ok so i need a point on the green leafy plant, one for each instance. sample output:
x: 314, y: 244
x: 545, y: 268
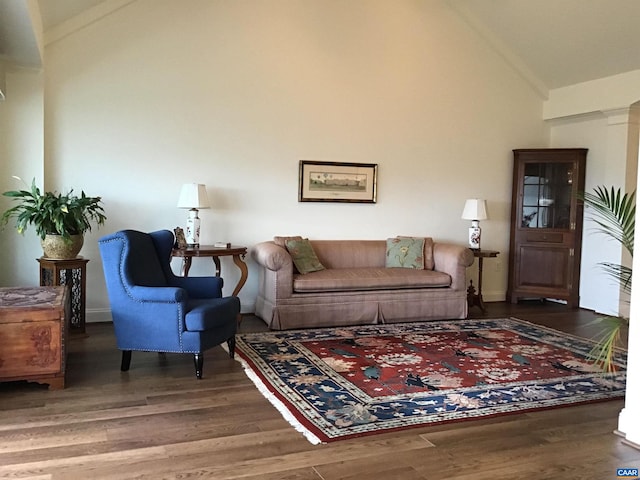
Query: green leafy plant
x: 615, y: 216
x: 53, y: 212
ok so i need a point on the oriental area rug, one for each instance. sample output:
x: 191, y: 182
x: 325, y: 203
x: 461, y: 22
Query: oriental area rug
x: 338, y: 383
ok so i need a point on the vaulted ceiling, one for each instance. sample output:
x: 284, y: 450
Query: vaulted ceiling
x: 553, y: 42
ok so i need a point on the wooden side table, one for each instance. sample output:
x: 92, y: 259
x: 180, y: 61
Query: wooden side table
x: 74, y: 274
x: 237, y: 252
x: 474, y: 298
x: 33, y: 327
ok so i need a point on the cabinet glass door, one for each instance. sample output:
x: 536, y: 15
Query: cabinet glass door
x: 547, y: 194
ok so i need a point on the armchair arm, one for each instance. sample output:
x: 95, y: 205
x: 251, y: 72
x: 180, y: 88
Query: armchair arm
x: 200, y: 287
x: 454, y: 260
x: 157, y: 294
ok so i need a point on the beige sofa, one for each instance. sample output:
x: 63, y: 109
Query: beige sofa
x: 355, y: 288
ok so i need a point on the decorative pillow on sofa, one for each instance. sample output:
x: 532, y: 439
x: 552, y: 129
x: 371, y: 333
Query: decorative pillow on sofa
x: 282, y: 241
x: 405, y: 252
x: 429, y: 263
x: 304, y: 258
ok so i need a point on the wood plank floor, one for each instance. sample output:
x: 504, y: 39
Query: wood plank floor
x: 157, y: 421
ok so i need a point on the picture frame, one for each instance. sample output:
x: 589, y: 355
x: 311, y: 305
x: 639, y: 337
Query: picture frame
x: 337, y: 182
x: 181, y: 241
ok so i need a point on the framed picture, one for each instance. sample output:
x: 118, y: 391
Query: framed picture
x: 337, y: 182
x: 181, y: 241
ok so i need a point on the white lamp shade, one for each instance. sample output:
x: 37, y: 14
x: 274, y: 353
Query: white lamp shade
x: 475, y: 209
x: 193, y: 195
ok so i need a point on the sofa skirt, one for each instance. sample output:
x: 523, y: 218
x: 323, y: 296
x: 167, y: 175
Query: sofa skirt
x: 362, y: 308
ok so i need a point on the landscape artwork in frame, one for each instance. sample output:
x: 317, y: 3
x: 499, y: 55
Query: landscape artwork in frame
x: 337, y: 182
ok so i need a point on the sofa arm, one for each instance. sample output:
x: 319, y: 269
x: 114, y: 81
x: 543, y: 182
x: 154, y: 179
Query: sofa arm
x: 454, y: 260
x: 272, y: 256
x: 276, y: 272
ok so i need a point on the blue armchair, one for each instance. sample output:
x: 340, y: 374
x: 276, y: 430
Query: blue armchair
x: 156, y: 311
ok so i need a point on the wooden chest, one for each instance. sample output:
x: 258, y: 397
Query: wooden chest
x: 33, y: 329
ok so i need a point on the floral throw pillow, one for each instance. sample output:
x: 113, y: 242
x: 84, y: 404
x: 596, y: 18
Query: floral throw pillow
x: 405, y: 253
x: 303, y: 256
x: 429, y: 263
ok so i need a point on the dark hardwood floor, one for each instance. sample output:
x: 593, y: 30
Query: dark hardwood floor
x: 157, y: 421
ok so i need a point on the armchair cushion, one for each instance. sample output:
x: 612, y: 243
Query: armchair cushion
x: 207, y: 314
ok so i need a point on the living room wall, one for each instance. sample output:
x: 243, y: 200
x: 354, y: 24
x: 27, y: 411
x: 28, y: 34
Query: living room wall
x: 234, y: 94
x: 21, y: 154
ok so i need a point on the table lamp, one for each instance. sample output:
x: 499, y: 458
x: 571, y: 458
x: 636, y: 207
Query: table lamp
x: 475, y: 210
x: 193, y: 196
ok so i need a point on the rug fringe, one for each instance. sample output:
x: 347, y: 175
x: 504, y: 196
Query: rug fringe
x: 284, y: 411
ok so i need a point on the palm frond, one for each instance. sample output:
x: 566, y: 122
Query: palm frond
x: 614, y: 213
x: 602, y: 353
x: 620, y: 273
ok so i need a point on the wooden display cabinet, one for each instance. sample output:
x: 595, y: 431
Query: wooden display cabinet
x: 546, y: 224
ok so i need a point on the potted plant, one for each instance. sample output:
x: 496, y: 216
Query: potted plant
x: 60, y: 220
x: 615, y: 215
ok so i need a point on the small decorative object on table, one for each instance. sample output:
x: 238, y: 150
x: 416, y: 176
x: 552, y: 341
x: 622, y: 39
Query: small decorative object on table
x: 222, y: 244
x: 181, y: 241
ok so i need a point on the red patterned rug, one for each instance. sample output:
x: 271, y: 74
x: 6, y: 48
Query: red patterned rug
x: 339, y: 383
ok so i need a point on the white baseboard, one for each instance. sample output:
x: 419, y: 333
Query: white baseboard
x: 96, y: 315
x: 494, y: 296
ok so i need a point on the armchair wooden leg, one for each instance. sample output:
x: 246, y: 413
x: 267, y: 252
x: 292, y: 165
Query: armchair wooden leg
x: 198, y: 360
x: 231, y: 343
x: 126, y: 361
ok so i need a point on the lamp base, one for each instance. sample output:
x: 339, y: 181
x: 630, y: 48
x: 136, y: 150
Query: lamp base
x: 192, y: 232
x: 474, y: 235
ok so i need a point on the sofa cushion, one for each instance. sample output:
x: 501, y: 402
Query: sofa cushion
x: 303, y: 256
x: 350, y: 253
x: 405, y: 252
x: 350, y: 279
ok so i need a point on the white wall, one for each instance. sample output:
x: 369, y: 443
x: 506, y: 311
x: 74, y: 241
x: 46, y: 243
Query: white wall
x: 234, y: 94
x: 601, y: 115
x: 21, y: 154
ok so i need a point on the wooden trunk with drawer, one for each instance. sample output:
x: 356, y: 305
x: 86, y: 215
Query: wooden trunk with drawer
x: 33, y: 329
